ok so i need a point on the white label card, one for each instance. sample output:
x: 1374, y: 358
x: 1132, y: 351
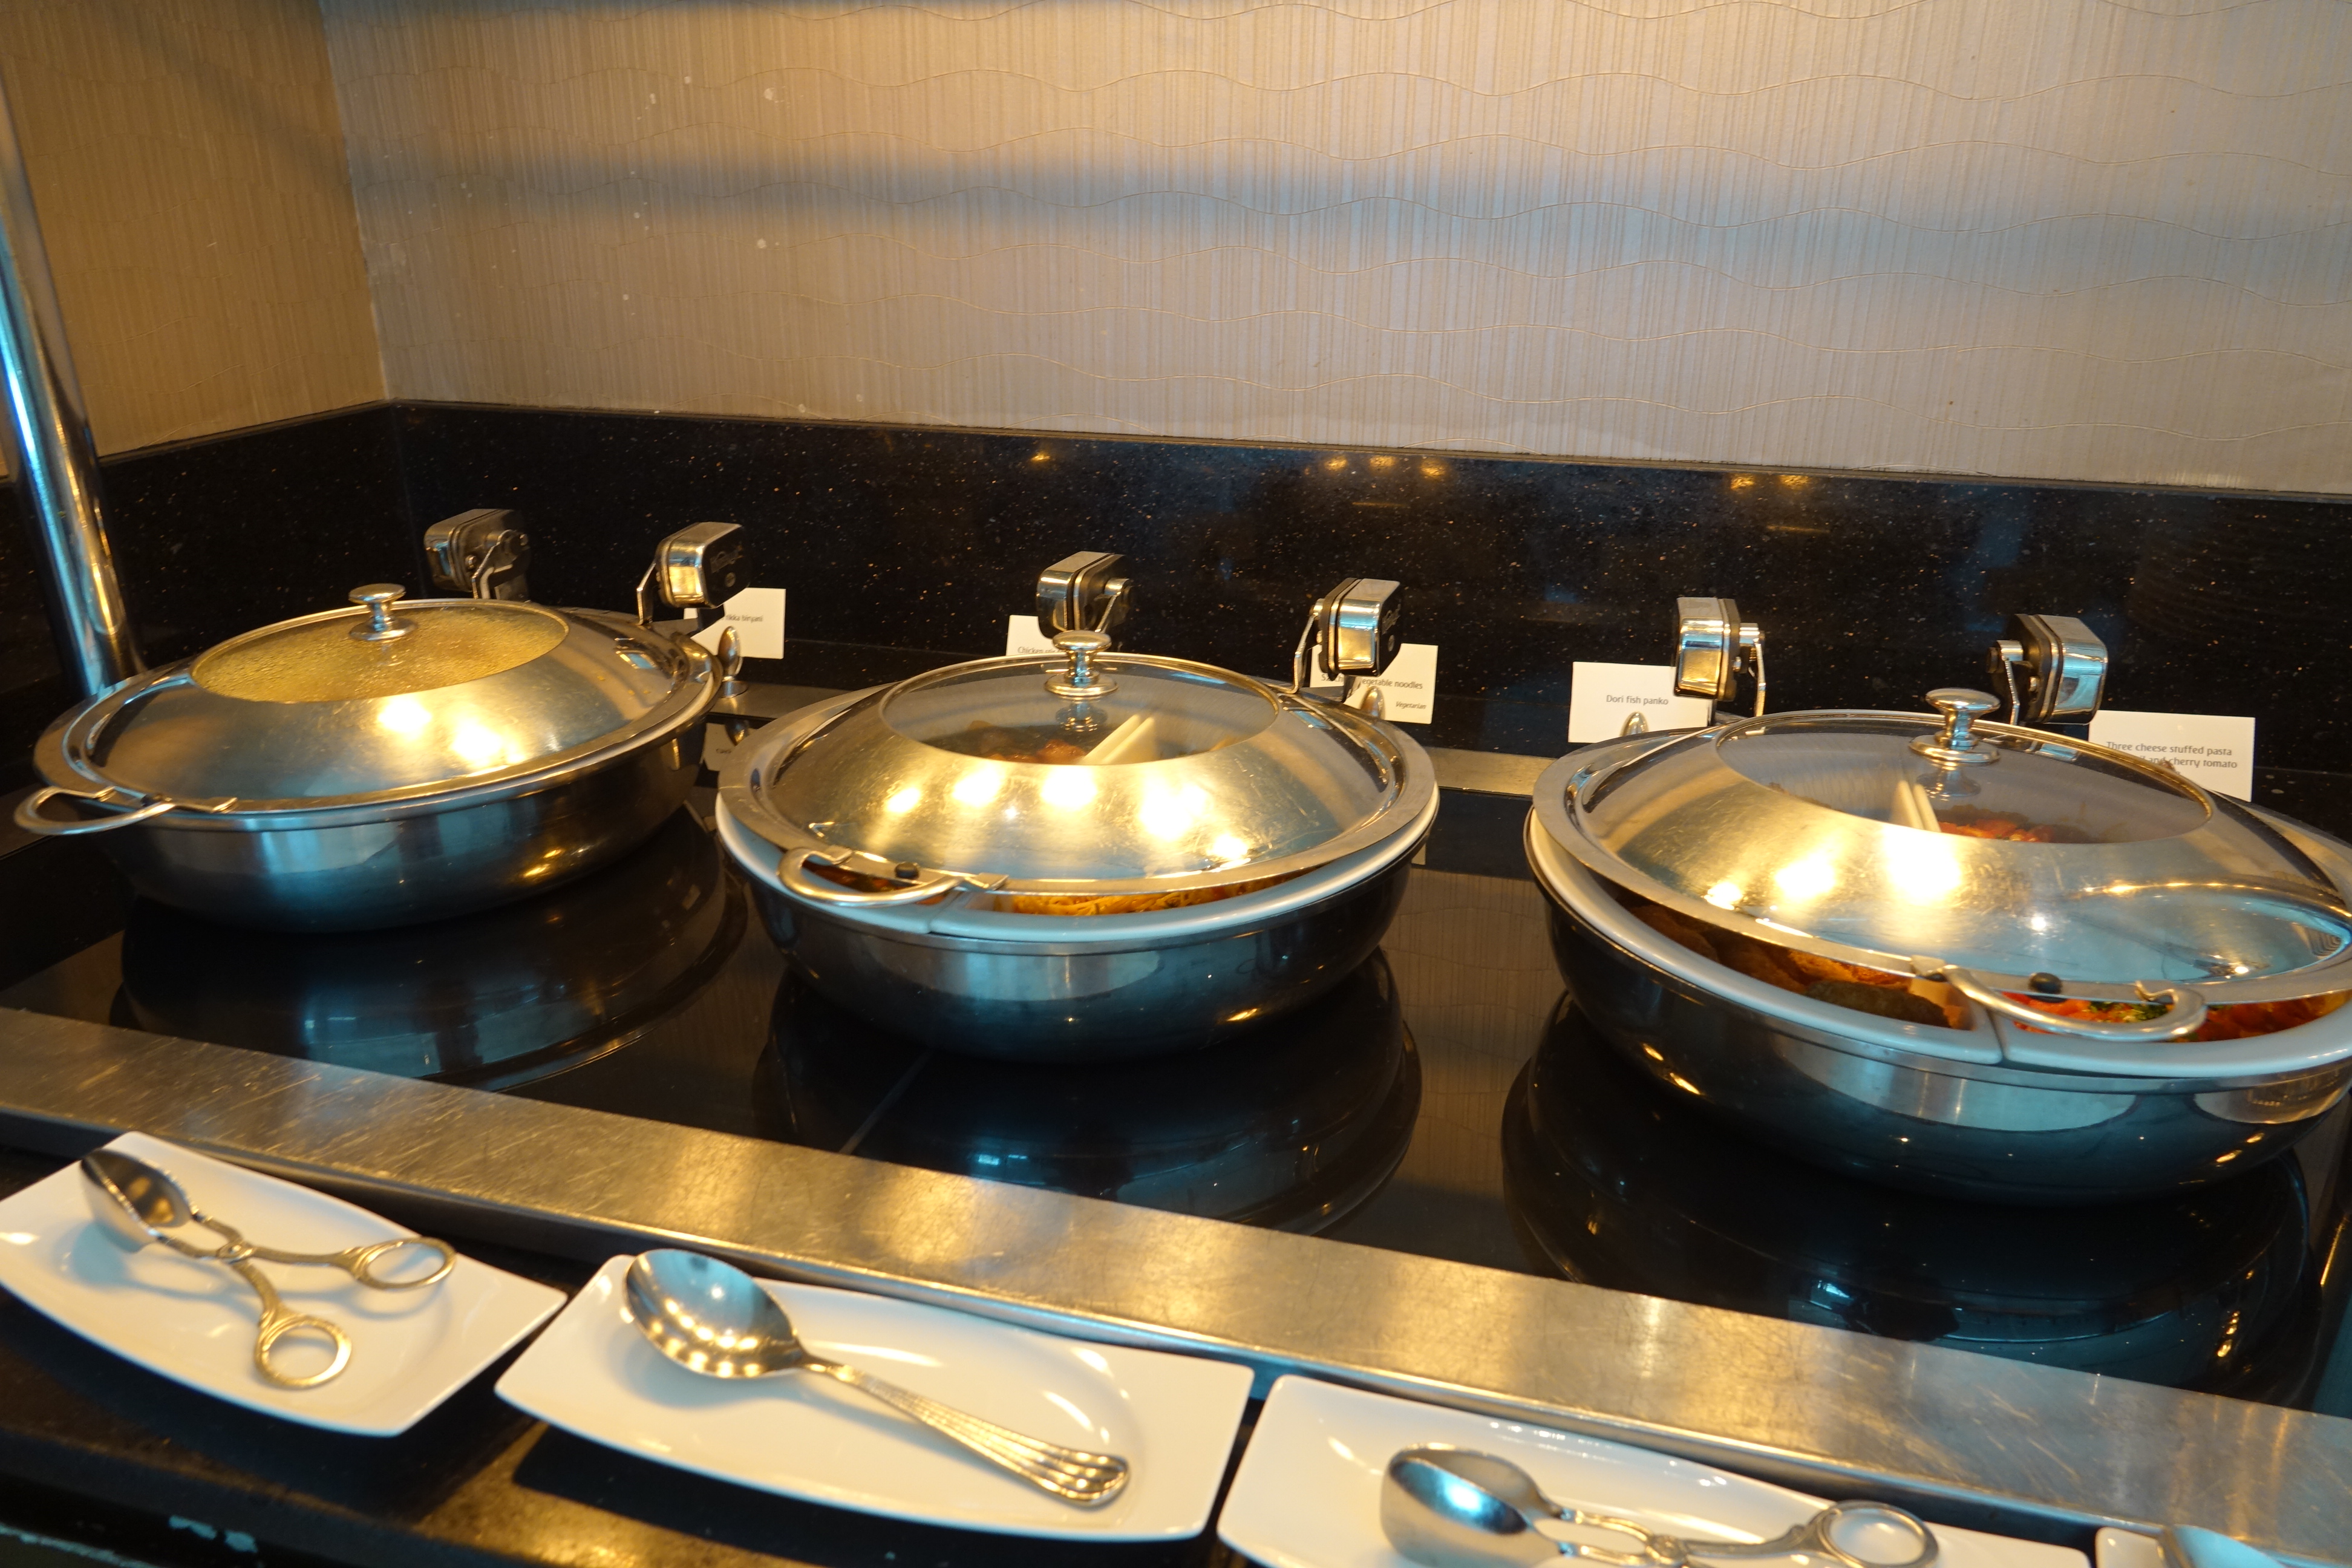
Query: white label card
x: 1409, y: 685
x: 2214, y: 750
x: 1022, y: 636
x: 1601, y: 697
x: 757, y: 616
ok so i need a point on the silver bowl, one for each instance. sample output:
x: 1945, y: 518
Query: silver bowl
x: 326, y: 871
x: 1935, y: 1110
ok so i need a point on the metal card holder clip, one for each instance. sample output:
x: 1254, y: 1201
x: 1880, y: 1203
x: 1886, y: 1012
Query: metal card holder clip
x: 699, y: 568
x: 1079, y: 594
x: 2053, y: 667
x: 1712, y: 644
x: 481, y: 554
x: 1352, y: 631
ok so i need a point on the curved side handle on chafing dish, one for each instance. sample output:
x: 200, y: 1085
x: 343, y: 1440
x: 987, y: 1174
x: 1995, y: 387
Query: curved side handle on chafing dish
x: 2184, y: 1009
x: 30, y: 818
x: 792, y: 872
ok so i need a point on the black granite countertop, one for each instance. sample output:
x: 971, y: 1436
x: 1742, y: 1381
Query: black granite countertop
x: 1493, y: 1162
x: 1459, y: 1137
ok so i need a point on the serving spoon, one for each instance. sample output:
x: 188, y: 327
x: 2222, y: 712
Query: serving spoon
x: 137, y: 1203
x: 1453, y: 1508
x: 711, y: 1318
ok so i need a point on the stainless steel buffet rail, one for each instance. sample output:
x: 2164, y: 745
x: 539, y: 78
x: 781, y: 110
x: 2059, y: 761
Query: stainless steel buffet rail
x: 56, y: 460
x: 1836, y: 1413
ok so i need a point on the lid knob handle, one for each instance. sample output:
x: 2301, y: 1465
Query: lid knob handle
x: 382, y: 625
x: 1956, y: 745
x: 482, y: 553
x: 1082, y: 680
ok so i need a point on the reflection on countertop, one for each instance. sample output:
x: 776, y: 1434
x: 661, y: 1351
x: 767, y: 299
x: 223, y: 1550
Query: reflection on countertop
x: 1295, y: 1126
x: 1616, y: 1182
x: 489, y: 1000
x: 1445, y: 1101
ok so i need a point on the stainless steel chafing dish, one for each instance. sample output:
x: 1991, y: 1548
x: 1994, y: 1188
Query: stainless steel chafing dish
x: 1953, y: 954
x: 395, y: 761
x: 1084, y: 855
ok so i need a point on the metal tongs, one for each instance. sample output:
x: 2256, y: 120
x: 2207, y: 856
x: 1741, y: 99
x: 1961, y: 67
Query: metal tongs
x: 1453, y: 1508
x: 135, y: 1203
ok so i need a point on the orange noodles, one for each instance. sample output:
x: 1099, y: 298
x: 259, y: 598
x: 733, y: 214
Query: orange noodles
x: 1070, y: 904
x: 1848, y: 985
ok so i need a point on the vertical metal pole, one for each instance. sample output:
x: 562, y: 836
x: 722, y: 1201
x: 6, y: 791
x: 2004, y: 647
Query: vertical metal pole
x: 56, y: 462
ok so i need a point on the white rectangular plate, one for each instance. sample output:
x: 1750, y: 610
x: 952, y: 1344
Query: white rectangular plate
x: 1308, y: 1492
x: 1173, y: 1417
x: 2127, y: 1549
x: 194, y: 1321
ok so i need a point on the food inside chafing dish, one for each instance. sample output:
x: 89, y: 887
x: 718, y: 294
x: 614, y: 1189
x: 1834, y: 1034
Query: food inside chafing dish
x: 1898, y: 996
x: 1125, y: 903
x: 1068, y: 903
x: 1977, y: 824
x: 1057, y: 745
x: 2232, y: 1021
x: 1026, y: 743
x: 1913, y: 1001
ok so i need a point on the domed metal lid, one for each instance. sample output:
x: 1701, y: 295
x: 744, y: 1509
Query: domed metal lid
x: 366, y: 706
x: 2031, y: 863
x: 1115, y: 774
x: 346, y: 656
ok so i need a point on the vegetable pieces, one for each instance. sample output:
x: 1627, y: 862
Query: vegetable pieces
x: 2232, y: 1021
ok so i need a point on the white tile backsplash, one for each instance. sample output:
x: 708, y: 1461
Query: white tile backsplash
x: 2045, y: 238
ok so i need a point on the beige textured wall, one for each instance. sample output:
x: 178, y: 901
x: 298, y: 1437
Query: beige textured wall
x: 2076, y: 239
x: 188, y: 165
